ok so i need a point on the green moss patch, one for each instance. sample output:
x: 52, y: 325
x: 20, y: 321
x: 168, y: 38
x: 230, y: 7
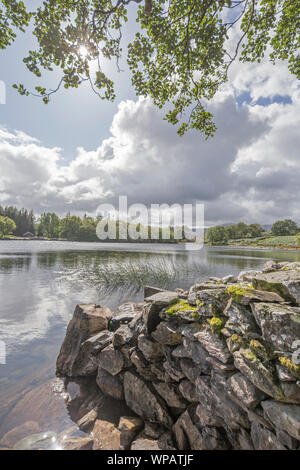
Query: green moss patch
x: 294, y: 369
x: 238, y: 292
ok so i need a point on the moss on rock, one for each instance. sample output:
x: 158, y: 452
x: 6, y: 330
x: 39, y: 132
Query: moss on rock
x: 294, y: 369
x: 238, y: 292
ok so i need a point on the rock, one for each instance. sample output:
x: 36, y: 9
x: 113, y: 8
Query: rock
x: 19, y: 432
x: 263, y: 439
x: 284, y: 416
x: 144, y: 402
x: 214, y: 345
x: 189, y: 369
x: 167, y: 333
x: 186, y: 433
x: 195, y: 290
x: 285, y: 283
x: 137, y: 324
x: 181, y: 351
x: 129, y: 308
x: 165, y: 442
x: 286, y: 440
x: 229, y: 279
x: 244, y: 440
x: 87, y: 421
x: 212, y: 439
x: 162, y: 299
x: 86, y: 362
x: 158, y: 371
x: 259, y: 375
x: 206, y: 417
x: 30, y: 406
x: 270, y: 266
x: 210, y: 301
x: 247, y: 275
x: 258, y: 416
x: 109, y: 384
x: 151, y: 350
x: 127, y: 351
x: 105, y: 435
x: 122, y: 336
x: 188, y: 391
x: 129, y: 427
x: 149, y: 291
x: 86, y: 322
x: 151, y: 317
x: 224, y: 369
x: 291, y: 392
x: 85, y: 399
x: 43, y: 440
x: 152, y: 430
x: 169, y: 394
x: 143, y: 443
x: 241, y: 321
x: 188, y: 330
x: 246, y: 295
x: 142, y: 366
x: 206, y: 397
x: 77, y: 443
x: 111, y: 360
x: 125, y: 314
x: 198, y: 354
x: 280, y: 324
x: 175, y: 373
x: 245, y: 391
x: 231, y: 411
x: 283, y: 374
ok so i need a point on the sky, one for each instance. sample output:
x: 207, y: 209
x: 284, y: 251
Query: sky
x: 78, y: 152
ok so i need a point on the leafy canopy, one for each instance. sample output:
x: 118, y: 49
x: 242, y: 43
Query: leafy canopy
x: 7, y: 226
x: 179, y: 57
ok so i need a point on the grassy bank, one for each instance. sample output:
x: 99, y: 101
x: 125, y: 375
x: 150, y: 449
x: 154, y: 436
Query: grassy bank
x: 288, y: 241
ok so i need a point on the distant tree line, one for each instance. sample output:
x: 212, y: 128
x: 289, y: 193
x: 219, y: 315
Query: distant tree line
x: 24, y: 220
x: 221, y: 234
x: 75, y: 228
x: 18, y: 222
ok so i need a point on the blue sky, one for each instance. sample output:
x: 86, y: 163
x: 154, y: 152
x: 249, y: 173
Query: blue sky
x: 74, y: 117
x: 78, y: 152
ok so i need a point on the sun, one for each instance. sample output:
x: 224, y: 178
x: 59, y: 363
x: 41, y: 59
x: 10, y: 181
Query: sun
x: 83, y: 51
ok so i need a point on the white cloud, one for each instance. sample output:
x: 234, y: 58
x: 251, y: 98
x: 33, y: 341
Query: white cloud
x: 249, y: 171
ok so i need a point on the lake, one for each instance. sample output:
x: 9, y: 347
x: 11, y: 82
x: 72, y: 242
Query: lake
x: 41, y: 283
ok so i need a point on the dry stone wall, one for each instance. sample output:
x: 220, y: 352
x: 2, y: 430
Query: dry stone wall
x: 215, y: 367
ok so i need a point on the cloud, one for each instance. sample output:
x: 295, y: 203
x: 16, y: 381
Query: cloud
x: 249, y: 171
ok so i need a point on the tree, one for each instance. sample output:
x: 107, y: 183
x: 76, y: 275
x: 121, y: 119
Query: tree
x: 70, y: 227
x: 7, y: 226
x: 217, y: 234
x: 180, y: 56
x: 87, y: 231
x: 49, y: 225
x: 255, y: 230
x: 284, y: 227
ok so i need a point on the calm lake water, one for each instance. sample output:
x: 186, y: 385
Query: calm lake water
x: 41, y: 282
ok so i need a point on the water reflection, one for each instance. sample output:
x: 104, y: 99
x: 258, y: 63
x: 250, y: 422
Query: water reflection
x: 9, y: 263
x: 41, y: 282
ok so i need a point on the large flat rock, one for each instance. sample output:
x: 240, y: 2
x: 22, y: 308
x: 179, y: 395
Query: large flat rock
x: 284, y: 283
x: 280, y: 324
x: 87, y: 320
x: 284, y: 416
x: 144, y: 402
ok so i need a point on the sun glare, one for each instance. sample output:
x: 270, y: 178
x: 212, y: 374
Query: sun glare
x: 83, y: 51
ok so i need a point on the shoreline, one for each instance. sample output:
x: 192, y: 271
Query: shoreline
x: 231, y: 245
x: 260, y: 247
